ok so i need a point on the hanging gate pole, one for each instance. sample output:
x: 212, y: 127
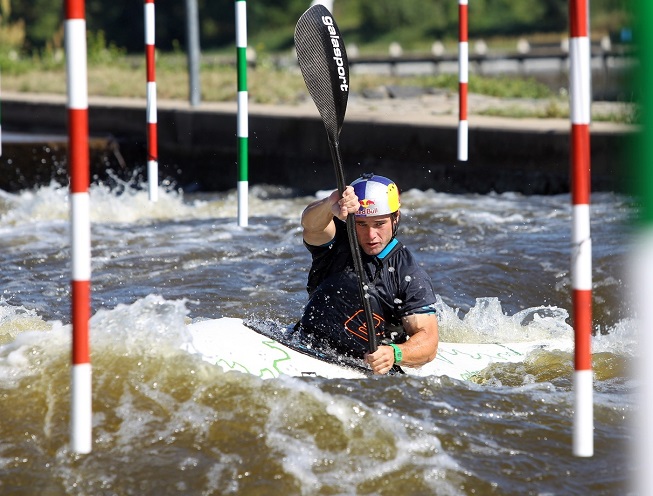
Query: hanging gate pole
x: 151, y: 111
x: 581, y: 270
x: 243, y: 131
x: 463, y: 78
x: 81, y: 396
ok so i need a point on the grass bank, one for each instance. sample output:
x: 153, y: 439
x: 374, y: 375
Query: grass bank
x: 273, y: 80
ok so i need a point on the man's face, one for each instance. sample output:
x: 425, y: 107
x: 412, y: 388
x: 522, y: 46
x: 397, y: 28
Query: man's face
x: 374, y: 233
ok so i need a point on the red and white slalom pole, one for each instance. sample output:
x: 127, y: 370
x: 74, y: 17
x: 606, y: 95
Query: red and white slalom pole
x: 78, y: 156
x: 581, y: 269
x: 463, y: 78
x: 151, y: 111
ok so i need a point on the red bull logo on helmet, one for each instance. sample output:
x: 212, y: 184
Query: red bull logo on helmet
x: 367, y: 207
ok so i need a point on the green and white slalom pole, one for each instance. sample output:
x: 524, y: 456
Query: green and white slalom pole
x: 642, y: 257
x: 243, y: 131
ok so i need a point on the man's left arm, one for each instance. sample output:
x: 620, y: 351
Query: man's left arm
x: 422, y: 345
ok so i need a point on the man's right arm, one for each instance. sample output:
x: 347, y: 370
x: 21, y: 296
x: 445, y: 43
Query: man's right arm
x: 317, y: 218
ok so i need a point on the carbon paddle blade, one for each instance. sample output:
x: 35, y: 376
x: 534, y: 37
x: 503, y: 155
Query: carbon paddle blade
x: 323, y: 62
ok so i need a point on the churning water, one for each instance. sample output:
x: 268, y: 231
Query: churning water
x: 166, y: 422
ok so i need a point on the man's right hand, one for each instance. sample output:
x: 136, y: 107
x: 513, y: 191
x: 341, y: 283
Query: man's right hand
x: 344, y: 205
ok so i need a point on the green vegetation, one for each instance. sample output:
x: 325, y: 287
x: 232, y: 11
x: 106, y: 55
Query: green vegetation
x: 111, y: 72
x: 32, y: 56
x: 33, y: 26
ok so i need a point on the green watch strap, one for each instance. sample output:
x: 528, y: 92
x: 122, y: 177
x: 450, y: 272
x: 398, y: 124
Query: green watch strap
x: 398, y: 353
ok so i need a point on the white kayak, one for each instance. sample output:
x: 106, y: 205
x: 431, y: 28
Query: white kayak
x: 232, y: 345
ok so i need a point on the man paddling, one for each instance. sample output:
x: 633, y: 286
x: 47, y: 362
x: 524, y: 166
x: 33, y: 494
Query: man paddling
x: 401, y: 295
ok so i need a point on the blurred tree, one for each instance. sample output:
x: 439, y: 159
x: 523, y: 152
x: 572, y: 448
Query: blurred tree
x: 381, y: 16
x: 272, y: 23
x: 122, y: 21
x: 42, y: 18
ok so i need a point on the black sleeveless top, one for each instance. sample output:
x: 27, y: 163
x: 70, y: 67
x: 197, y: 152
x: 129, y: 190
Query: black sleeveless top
x: 334, y: 315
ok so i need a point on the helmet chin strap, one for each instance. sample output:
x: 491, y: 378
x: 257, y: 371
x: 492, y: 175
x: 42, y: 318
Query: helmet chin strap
x: 395, y: 222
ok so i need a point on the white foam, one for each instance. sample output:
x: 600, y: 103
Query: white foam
x: 486, y: 322
x: 128, y: 202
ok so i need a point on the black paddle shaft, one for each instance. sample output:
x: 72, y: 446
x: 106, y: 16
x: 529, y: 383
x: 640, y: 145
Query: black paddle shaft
x: 323, y: 61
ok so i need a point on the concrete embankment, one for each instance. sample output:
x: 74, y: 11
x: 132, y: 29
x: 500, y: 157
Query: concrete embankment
x: 288, y: 146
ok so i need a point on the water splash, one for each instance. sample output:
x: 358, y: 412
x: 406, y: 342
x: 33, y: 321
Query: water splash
x: 486, y: 322
x: 126, y: 202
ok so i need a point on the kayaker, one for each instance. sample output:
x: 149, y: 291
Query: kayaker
x: 401, y: 294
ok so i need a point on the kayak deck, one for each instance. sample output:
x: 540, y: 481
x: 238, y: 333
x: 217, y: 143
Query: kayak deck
x: 270, y: 350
